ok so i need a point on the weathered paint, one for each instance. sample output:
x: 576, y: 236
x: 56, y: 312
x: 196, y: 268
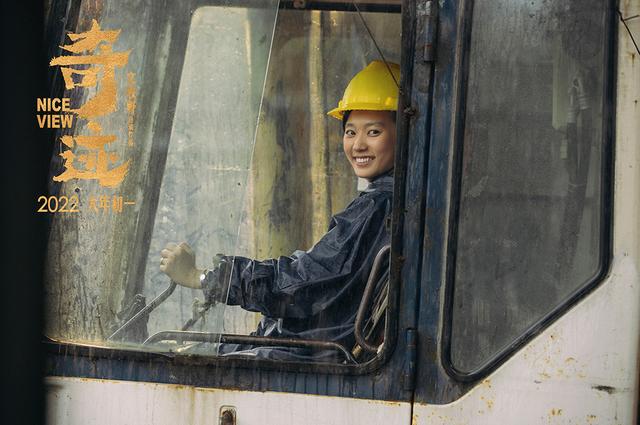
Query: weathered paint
x: 84, y: 291
x: 94, y: 401
x: 560, y: 377
x: 583, y: 368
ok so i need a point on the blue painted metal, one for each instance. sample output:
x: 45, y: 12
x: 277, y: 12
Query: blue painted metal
x: 432, y: 383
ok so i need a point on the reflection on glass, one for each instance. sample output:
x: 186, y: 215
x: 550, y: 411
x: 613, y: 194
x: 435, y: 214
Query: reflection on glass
x: 206, y: 173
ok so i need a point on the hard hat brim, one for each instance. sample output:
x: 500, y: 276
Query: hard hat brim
x: 338, y: 112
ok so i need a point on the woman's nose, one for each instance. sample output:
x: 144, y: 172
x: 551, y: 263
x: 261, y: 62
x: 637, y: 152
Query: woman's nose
x: 360, y: 143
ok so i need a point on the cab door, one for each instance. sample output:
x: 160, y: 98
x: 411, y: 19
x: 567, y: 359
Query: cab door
x: 528, y: 304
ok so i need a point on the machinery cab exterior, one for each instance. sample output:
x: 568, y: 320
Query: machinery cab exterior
x: 509, y: 290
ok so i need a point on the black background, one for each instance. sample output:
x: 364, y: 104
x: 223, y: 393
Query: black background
x: 25, y: 150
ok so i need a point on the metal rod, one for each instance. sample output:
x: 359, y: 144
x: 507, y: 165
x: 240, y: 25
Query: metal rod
x: 247, y: 339
x: 624, y: 22
x: 376, y: 44
x: 343, y: 6
x: 146, y: 310
x: 364, y: 304
x: 200, y: 314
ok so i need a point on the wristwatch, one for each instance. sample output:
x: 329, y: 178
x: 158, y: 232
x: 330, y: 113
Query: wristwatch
x: 213, y: 287
x: 207, y: 278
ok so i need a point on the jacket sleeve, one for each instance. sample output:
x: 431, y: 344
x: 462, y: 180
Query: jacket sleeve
x: 308, y: 282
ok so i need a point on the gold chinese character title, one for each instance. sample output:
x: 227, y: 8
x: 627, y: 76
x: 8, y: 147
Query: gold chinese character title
x: 93, y: 63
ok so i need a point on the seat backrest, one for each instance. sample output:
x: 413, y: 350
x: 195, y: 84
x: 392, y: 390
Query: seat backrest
x: 370, y: 321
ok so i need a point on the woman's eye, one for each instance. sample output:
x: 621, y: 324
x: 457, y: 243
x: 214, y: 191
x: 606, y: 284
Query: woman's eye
x: 374, y: 132
x: 350, y: 133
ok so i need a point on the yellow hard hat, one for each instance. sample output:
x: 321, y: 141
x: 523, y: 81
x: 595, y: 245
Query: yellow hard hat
x: 372, y: 89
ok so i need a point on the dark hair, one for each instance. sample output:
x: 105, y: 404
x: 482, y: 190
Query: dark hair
x: 345, y: 118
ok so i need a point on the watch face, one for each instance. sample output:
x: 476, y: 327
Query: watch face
x: 206, y: 277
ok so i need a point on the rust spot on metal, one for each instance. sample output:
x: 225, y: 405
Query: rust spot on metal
x: 606, y: 388
x: 386, y: 403
x: 487, y: 401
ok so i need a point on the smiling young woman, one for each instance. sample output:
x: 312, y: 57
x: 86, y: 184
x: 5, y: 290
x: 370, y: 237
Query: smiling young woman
x: 315, y: 294
x: 369, y: 142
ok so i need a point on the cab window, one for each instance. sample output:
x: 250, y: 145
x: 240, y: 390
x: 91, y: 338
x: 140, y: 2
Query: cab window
x: 251, y: 166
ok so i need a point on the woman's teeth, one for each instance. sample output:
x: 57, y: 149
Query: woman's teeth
x: 363, y: 159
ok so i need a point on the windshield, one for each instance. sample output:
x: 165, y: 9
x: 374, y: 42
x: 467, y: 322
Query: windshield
x: 234, y: 155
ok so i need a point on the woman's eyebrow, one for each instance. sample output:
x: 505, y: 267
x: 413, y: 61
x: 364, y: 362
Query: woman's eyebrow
x: 368, y: 124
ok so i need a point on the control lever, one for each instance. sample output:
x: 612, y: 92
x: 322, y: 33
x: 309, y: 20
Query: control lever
x: 148, y: 309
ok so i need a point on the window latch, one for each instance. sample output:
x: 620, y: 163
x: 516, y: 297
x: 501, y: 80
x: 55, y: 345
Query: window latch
x: 227, y: 415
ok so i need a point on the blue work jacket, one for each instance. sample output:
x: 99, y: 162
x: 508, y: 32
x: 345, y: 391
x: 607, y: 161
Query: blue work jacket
x: 312, y: 294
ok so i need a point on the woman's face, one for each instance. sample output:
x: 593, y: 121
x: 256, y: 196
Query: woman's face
x: 369, y: 142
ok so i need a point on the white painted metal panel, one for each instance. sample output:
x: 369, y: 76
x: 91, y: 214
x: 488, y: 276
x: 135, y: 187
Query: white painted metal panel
x: 84, y: 401
x: 582, y: 370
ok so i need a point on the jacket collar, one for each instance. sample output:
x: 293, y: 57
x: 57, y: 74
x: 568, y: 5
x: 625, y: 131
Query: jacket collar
x: 381, y: 182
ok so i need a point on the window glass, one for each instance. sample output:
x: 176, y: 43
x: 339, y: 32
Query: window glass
x: 255, y: 170
x: 203, y: 187
x: 97, y: 271
x: 276, y: 203
x: 530, y: 217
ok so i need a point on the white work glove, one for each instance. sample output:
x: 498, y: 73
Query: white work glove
x: 178, y: 261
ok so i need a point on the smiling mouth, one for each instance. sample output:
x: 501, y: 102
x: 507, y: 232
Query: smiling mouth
x: 363, y: 160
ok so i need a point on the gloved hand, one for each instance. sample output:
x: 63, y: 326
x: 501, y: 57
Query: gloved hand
x: 179, y: 263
